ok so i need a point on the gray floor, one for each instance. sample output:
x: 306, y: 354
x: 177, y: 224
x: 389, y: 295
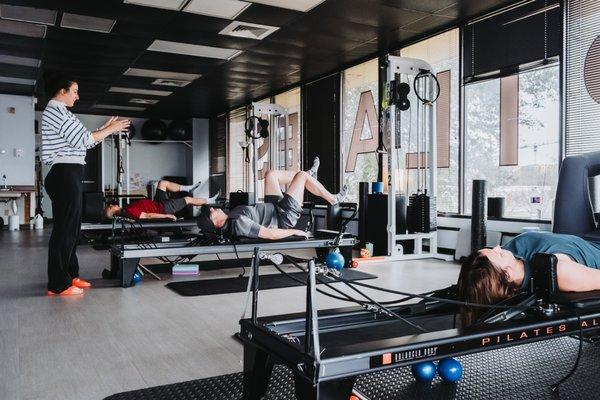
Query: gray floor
x: 112, y: 339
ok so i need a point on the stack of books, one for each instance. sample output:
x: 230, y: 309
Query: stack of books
x: 185, y: 269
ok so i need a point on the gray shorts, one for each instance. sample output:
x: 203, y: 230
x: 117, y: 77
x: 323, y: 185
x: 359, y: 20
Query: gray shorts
x: 171, y: 205
x: 288, y: 212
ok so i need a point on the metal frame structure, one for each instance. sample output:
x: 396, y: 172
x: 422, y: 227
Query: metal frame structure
x: 397, y: 66
x: 149, y: 224
x: 327, y: 350
x: 126, y: 257
x: 272, y: 110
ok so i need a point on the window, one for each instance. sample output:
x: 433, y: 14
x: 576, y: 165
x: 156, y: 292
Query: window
x: 287, y: 139
x: 360, y: 126
x: 512, y: 140
x: 441, y: 52
x: 238, y: 169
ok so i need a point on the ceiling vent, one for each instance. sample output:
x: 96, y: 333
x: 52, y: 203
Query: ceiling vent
x: 143, y: 101
x: 248, y: 30
x: 28, y: 14
x: 170, y: 82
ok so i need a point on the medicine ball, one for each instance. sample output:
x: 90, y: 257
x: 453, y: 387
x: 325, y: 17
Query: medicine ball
x: 130, y: 131
x: 180, y: 130
x: 154, y: 129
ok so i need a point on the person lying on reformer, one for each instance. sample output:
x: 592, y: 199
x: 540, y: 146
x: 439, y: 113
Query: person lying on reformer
x: 162, y: 206
x: 489, y: 276
x: 271, y: 220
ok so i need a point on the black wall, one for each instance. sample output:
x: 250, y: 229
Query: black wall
x: 321, y: 130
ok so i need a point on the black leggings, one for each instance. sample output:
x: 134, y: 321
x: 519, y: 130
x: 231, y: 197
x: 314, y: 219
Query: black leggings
x: 63, y: 184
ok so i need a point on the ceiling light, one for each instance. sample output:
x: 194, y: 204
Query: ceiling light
x: 87, y: 23
x: 170, y: 82
x: 150, y: 73
x: 193, y: 50
x: 143, y: 101
x: 248, y: 30
x: 17, y: 81
x: 299, y: 5
x: 26, y: 62
x: 116, y: 89
x: 229, y: 9
x: 28, y: 14
x: 166, y: 4
x: 114, y: 107
x: 22, y: 29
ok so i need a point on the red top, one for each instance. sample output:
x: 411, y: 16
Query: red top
x: 136, y: 208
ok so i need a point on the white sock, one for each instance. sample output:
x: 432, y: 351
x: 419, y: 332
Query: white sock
x: 190, y: 188
x: 315, y: 168
x: 211, y: 200
x: 341, y: 194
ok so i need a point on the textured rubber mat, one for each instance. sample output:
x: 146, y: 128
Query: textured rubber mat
x: 207, y: 287
x: 519, y: 373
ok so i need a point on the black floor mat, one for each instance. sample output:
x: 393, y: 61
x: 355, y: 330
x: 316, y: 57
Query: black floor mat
x: 206, y: 287
x: 517, y: 373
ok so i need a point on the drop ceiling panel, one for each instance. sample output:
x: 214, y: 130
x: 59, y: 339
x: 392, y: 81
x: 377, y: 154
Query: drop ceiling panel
x: 228, y: 9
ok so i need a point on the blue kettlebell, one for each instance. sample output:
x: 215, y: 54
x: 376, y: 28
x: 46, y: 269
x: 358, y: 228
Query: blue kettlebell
x: 424, y: 371
x: 137, y: 277
x: 450, y: 369
x: 335, y: 260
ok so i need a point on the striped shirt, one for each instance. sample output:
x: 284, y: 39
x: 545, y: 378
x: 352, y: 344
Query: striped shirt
x: 64, y: 138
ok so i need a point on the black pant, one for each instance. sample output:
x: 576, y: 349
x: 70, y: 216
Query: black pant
x: 63, y: 184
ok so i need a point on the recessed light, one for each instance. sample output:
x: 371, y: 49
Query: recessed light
x: 166, y: 4
x: 116, y: 89
x: 22, y: 29
x: 248, y: 30
x: 229, y: 9
x: 87, y: 23
x: 24, y: 61
x: 196, y: 50
x: 28, y: 14
x: 143, y: 101
x: 298, y: 5
x: 170, y: 82
x: 115, y: 107
x: 17, y: 81
x: 151, y: 73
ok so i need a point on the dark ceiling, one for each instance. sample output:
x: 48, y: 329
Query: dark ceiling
x: 334, y: 34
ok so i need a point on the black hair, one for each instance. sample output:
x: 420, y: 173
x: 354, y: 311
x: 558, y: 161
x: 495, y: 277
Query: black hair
x: 55, y: 80
x: 204, y: 222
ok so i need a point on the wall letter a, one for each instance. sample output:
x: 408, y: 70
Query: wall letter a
x: 366, y: 107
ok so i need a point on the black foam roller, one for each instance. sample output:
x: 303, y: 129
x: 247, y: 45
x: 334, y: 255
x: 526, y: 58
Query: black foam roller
x: 363, y: 199
x: 478, y: 215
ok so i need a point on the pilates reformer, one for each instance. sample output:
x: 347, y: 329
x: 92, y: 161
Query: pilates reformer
x: 328, y: 349
x: 125, y: 257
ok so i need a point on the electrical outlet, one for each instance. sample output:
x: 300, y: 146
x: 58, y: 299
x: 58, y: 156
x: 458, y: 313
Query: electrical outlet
x: 19, y: 153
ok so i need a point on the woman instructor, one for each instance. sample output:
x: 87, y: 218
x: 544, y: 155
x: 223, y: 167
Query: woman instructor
x: 64, y: 144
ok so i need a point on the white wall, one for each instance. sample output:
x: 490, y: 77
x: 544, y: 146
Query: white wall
x: 17, y: 147
x: 150, y: 161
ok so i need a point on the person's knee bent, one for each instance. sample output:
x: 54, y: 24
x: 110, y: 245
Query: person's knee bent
x: 271, y: 174
x: 162, y: 185
x: 188, y: 199
x: 302, y: 175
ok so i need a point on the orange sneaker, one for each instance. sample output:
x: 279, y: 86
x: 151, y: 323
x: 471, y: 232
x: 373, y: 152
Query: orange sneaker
x: 70, y: 291
x: 80, y: 283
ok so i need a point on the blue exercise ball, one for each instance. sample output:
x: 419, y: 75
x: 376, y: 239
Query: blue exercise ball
x: 450, y: 369
x: 334, y: 260
x: 137, y: 277
x: 424, y: 371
